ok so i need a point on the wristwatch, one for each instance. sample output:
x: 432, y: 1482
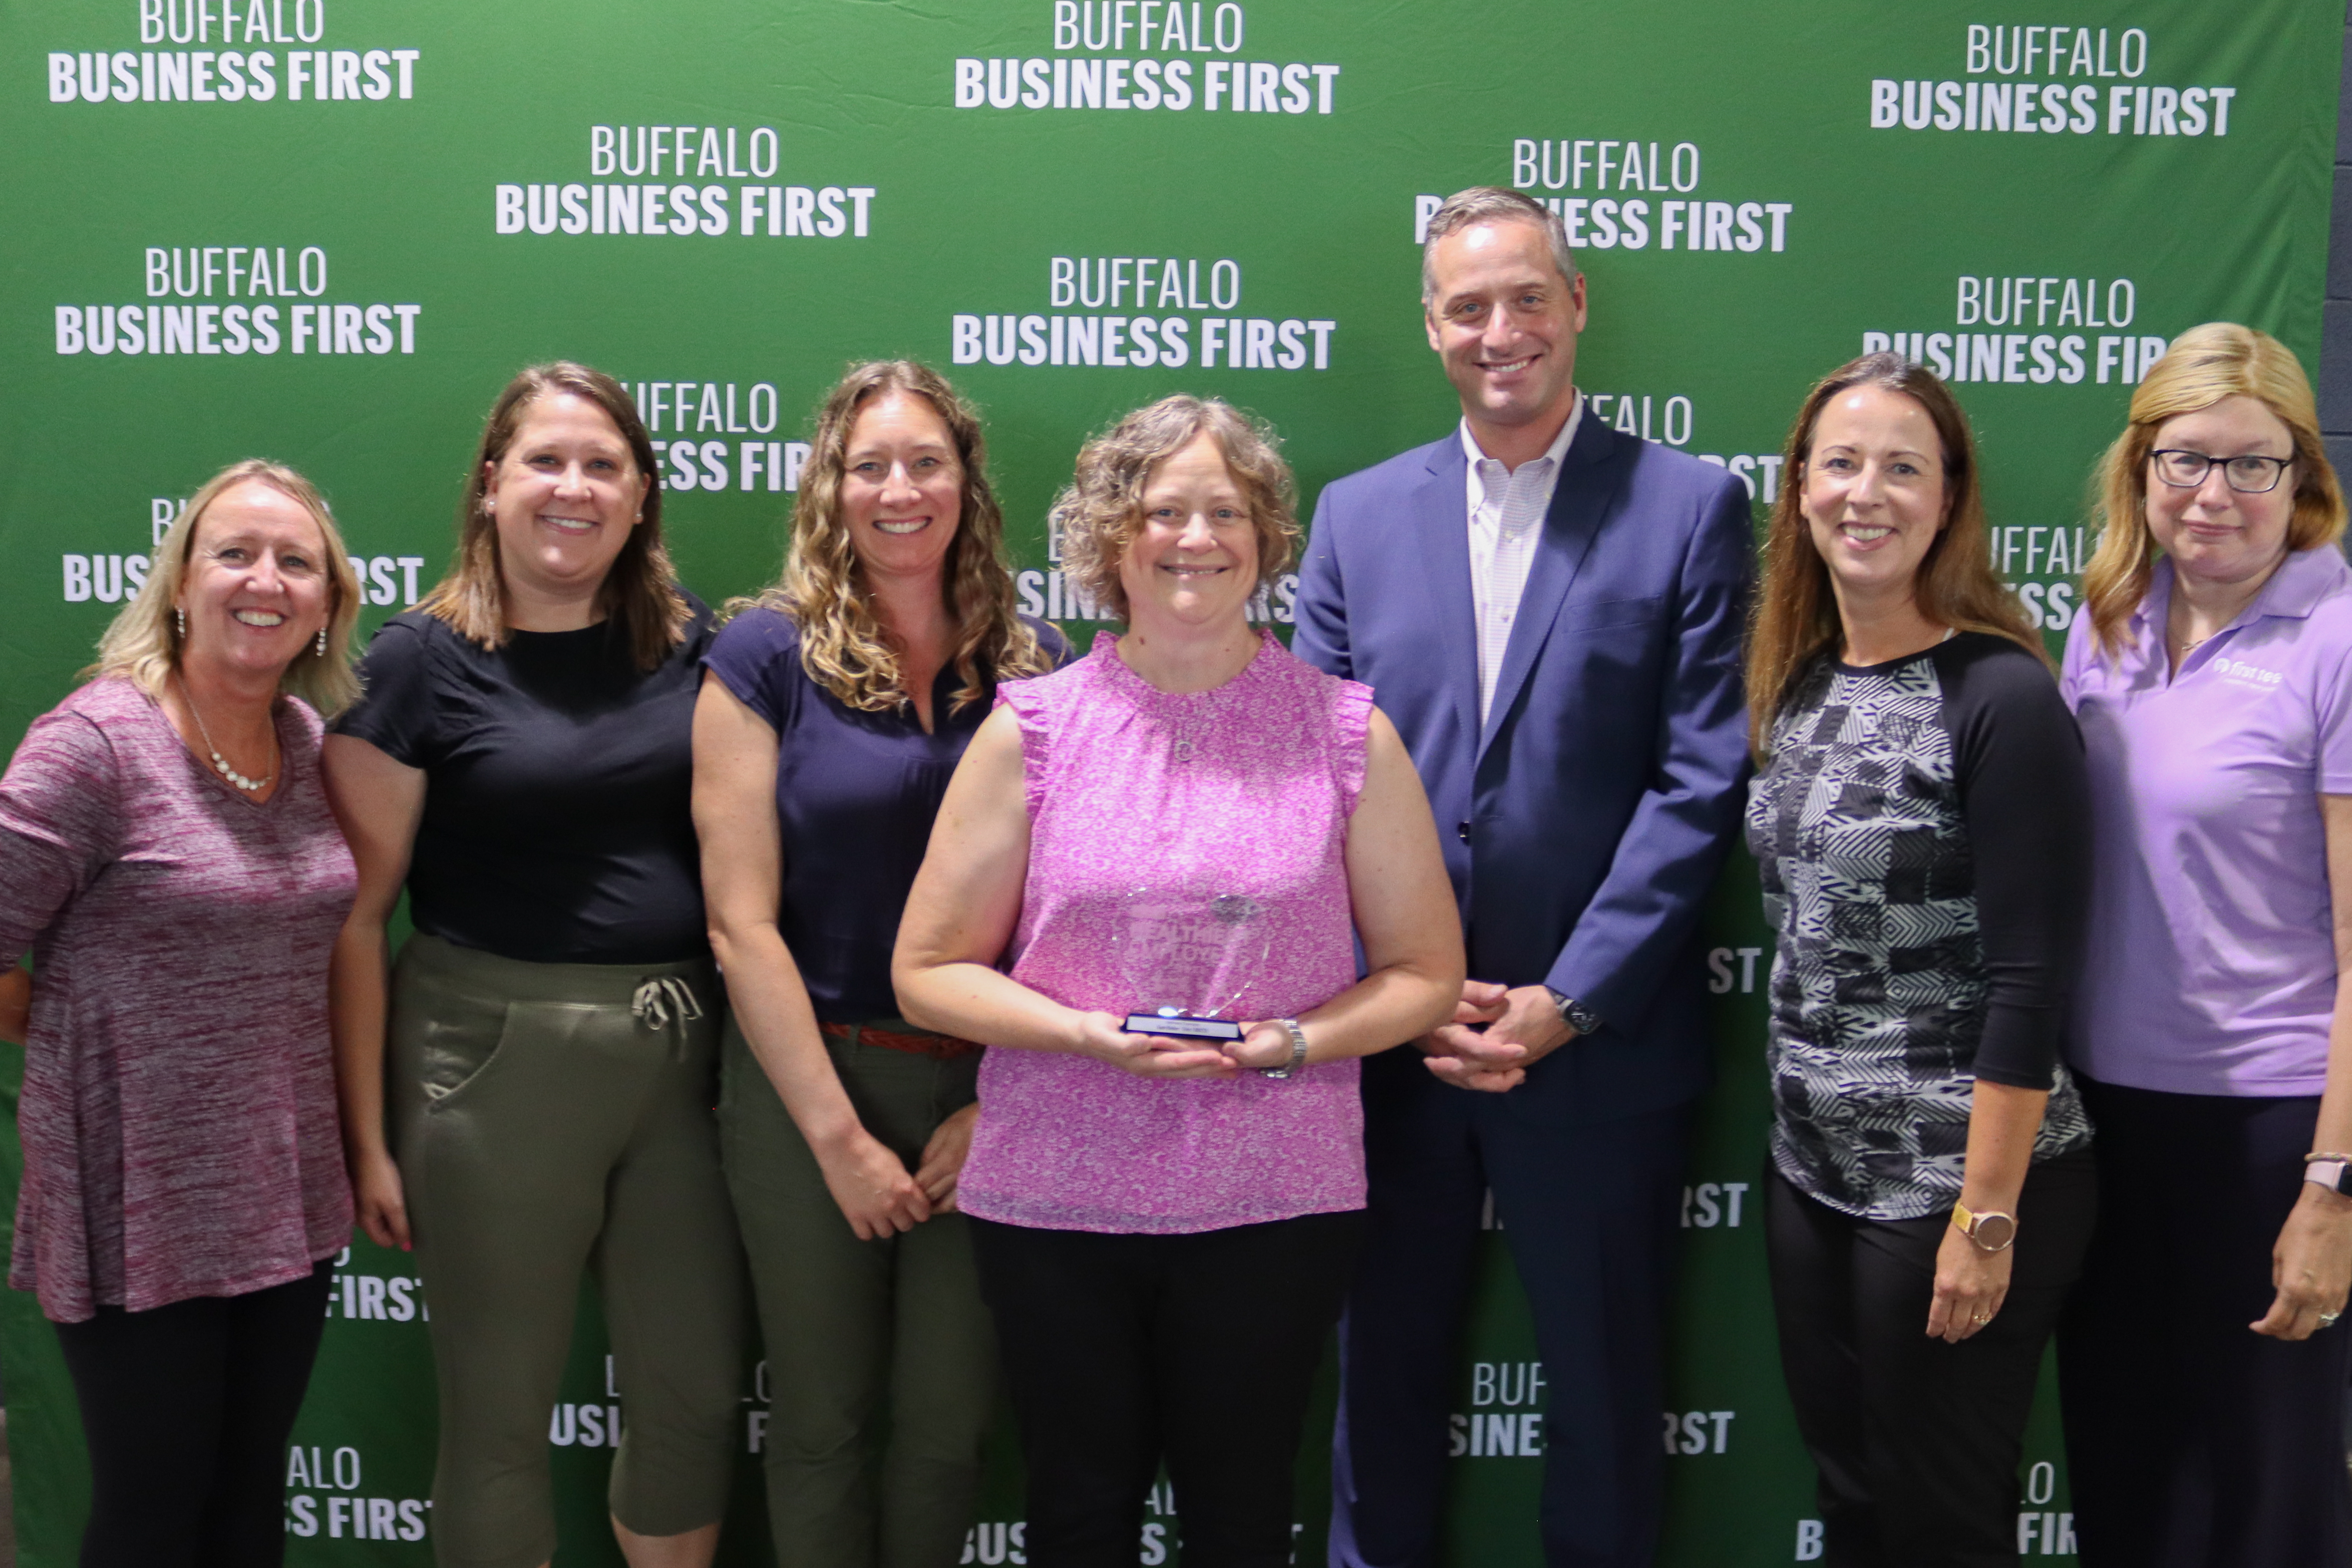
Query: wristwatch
x: 1575, y: 1014
x: 2333, y: 1172
x: 1992, y: 1232
x: 1297, y: 1051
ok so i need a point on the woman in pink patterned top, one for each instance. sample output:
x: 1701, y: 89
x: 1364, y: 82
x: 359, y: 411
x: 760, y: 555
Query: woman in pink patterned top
x: 167, y: 855
x: 1187, y: 820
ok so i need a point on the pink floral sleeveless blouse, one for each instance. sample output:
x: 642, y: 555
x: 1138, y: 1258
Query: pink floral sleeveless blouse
x: 1186, y: 849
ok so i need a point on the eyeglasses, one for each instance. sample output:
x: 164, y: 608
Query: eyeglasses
x: 2249, y: 475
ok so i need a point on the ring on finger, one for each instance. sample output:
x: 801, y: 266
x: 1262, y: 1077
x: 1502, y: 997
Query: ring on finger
x: 2327, y: 1320
x: 1981, y: 1318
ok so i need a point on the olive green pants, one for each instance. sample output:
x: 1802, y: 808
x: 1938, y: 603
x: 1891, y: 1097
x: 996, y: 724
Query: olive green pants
x: 547, y: 1118
x: 881, y: 1355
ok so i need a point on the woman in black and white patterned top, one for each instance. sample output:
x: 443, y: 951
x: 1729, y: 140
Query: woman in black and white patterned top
x: 1920, y: 823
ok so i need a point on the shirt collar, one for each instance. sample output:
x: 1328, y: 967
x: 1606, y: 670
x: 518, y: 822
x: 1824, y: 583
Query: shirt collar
x: 1552, y: 454
x: 2305, y: 580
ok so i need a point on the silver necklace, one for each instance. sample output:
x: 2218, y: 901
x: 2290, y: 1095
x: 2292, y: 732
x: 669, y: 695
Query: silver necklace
x: 220, y: 763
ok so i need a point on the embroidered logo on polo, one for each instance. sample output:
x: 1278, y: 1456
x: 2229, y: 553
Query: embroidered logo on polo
x: 2237, y: 671
x: 1877, y: 994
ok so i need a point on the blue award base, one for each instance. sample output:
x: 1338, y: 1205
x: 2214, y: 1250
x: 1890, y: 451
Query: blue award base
x: 1175, y: 1025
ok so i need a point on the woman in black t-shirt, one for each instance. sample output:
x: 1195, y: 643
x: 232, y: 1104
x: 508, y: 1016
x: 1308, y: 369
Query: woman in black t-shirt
x: 523, y: 763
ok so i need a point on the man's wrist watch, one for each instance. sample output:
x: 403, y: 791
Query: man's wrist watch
x: 2333, y: 1172
x: 1297, y: 1051
x: 1573, y: 1013
x: 1990, y: 1231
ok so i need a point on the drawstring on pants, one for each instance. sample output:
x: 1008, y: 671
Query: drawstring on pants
x: 653, y: 1003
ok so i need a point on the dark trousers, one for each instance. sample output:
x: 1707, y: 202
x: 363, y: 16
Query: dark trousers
x: 2193, y: 1442
x: 186, y: 1409
x: 1917, y: 1441
x: 1121, y: 1351
x: 1590, y: 1214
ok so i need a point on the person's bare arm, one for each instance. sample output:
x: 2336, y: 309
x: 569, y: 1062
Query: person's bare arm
x: 15, y: 1003
x: 1406, y: 917
x: 2311, y: 1266
x: 379, y: 802
x: 1971, y: 1282
x: 960, y: 916
x: 735, y: 756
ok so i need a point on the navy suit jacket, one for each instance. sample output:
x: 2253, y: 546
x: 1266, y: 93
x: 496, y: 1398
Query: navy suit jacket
x: 1585, y: 822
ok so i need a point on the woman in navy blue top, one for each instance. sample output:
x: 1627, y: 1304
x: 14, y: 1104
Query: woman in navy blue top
x: 834, y: 709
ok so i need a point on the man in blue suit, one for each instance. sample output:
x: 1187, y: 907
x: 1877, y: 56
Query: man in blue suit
x: 1550, y: 612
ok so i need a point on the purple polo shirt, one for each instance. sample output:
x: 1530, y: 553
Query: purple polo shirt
x: 2211, y: 970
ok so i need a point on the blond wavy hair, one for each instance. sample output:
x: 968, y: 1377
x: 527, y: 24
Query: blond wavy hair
x: 1796, y: 614
x: 640, y: 591
x: 1101, y: 511
x: 142, y: 643
x: 2203, y: 365
x: 822, y: 590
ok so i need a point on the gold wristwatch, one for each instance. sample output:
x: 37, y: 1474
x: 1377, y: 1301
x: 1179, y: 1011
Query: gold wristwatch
x: 1990, y: 1232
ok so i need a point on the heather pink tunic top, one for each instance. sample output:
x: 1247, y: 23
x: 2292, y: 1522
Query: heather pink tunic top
x: 1188, y: 850
x: 178, y: 1117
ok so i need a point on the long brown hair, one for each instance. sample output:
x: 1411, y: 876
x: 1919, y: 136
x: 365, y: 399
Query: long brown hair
x: 1796, y: 613
x: 2204, y: 365
x: 843, y: 647
x: 640, y: 593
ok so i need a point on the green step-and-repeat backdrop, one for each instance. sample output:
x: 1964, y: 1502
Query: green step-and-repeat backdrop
x: 328, y: 231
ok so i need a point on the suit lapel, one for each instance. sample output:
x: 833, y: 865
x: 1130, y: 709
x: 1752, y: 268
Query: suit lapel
x: 1588, y: 479
x: 1443, y: 502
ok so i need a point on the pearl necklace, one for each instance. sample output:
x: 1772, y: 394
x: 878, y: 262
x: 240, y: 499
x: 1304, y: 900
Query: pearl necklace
x: 220, y: 763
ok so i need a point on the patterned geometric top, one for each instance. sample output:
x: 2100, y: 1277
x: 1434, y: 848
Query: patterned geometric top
x: 1920, y: 830
x: 1186, y: 849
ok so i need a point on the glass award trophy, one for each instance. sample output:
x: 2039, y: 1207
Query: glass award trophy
x: 1190, y: 961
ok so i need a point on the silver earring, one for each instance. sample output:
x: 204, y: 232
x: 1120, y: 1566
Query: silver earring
x: 182, y: 614
x: 322, y: 642
x: 489, y: 504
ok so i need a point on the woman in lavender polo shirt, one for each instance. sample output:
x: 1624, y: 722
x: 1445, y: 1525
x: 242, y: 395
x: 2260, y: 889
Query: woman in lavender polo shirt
x: 1189, y: 818
x: 2203, y: 1368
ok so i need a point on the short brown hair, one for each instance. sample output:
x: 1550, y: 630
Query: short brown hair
x: 1492, y: 204
x: 1796, y: 615
x: 1101, y: 511
x: 2204, y: 365
x: 640, y: 589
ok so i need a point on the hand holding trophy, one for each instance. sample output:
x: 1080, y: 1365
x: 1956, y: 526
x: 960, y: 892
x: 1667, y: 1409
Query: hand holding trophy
x: 1191, y: 959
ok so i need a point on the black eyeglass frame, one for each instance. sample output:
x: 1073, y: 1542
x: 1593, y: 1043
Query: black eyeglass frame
x: 2278, y: 470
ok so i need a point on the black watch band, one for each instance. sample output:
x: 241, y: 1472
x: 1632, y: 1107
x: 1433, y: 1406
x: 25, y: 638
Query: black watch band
x: 1575, y: 1014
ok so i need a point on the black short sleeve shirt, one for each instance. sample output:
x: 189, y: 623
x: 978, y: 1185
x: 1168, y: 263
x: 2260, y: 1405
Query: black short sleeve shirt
x: 559, y: 782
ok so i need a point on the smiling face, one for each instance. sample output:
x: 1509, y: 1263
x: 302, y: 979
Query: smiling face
x: 1505, y: 322
x: 256, y: 589
x: 1194, y: 557
x: 901, y: 487
x: 1874, y: 495
x: 2212, y: 532
x: 564, y: 497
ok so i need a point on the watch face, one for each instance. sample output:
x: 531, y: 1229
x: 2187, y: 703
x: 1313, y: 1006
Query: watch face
x: 1994, y: 1231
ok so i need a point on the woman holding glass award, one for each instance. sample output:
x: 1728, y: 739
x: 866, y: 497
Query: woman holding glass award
x: 1173, y: 843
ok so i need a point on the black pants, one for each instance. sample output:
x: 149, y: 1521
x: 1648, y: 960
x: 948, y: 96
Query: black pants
x: 186, y: 1409
x: 1121, y: 1351
x: 1918, y: 1441
x: 2193, y: 1442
